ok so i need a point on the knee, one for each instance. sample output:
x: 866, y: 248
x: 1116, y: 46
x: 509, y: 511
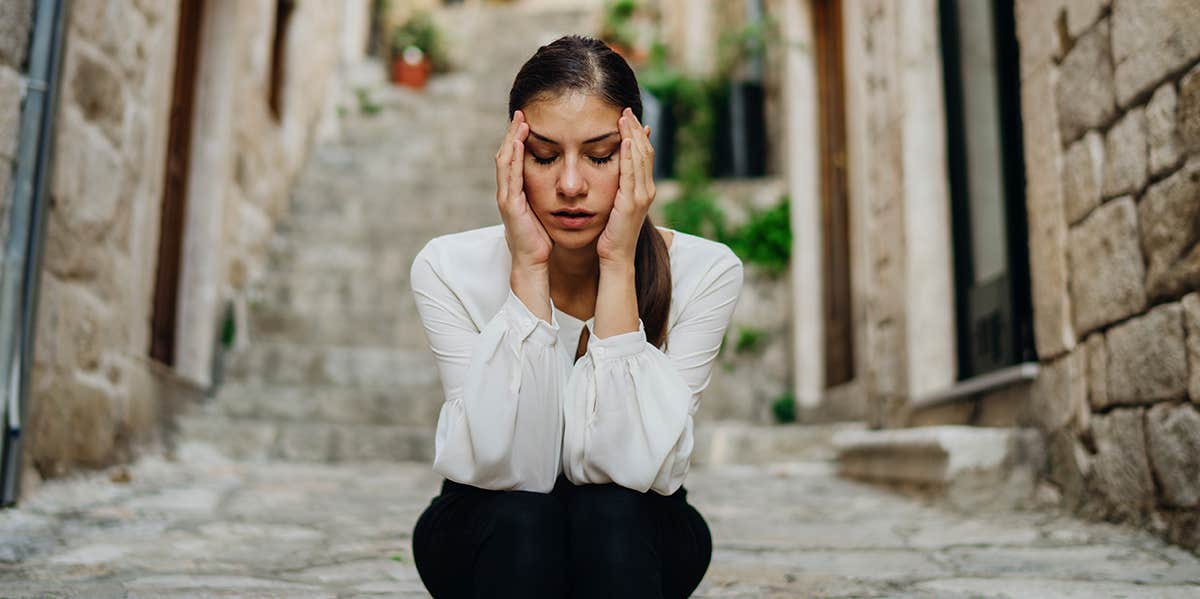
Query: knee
x: 530, y: 527
x: 615, y: 521
x: 608, y: 507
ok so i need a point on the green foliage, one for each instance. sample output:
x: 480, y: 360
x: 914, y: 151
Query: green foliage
x: 366, y: 105
x: 421, y: 32
x: 766, y: 239
x: 617, y: 27
x: 749, y: 339
x: 228, y: 328
x: 696, y: 212
x: 784, y: 408
x: 735, y: 48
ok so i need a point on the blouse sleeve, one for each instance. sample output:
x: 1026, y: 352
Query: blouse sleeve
x: 628, y: 407
x: 500, y: 425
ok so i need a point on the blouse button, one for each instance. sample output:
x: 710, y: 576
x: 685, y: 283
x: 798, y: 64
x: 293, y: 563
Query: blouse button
x: 599, y: 351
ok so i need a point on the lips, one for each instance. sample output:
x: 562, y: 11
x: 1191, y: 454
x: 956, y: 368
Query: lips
x: 573, y: 219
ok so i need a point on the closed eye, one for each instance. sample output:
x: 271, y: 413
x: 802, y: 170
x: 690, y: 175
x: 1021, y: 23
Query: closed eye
x: 596, y: 160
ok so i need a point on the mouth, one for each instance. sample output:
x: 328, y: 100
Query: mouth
x: 573, y: 219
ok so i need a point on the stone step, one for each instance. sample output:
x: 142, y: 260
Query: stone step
x: 339, y: 404
x: 334, y: 255
x: 963, y: 464
x: 336, y: 328
x: 272, y: 440
x: 274, y: 363
x: 723, y: 442
x: 327, y: 294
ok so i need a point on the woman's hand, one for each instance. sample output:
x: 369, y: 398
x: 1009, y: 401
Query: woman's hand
x: 528, y: 242
x: 635, y: 193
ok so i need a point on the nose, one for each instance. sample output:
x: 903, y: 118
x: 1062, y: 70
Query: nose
x: 570, y: 180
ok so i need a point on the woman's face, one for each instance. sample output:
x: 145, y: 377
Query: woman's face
x: 572, y: 154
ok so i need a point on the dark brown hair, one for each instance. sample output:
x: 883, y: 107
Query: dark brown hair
x: 575, y: 63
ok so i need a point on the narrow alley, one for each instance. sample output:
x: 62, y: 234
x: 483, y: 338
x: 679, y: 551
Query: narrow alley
x: 304, y: 475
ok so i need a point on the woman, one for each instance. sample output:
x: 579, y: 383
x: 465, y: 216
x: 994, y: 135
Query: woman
x: 572, y: 341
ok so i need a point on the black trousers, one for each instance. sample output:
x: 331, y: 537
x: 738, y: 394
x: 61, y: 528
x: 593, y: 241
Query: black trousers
x: 576, y: 541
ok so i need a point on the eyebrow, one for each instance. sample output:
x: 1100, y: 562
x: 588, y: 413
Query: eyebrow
x: 587, y: 141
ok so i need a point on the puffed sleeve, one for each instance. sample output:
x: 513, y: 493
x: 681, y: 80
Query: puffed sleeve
x: 628, y: 407
x: 500, y: 425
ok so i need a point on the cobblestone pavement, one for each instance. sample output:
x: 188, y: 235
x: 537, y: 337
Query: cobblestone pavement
x: 202, y: 525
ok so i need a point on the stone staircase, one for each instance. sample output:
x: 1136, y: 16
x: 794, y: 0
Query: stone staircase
x: 337, y: 366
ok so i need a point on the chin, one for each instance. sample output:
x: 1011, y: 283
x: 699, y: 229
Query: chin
x: 576, y: 239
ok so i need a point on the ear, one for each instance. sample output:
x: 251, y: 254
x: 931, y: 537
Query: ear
x: 647, y: 131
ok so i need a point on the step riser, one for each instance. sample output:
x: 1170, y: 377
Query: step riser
x: 267, y: 441
x: 339, y: 405
x: 315, y: 365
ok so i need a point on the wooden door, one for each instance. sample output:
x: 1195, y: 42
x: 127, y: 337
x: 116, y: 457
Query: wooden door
x: 835, y: 213
x: 174, y: 202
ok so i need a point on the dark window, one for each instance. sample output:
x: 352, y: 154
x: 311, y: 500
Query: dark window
x: 987, y: 185
x: 283, y: 13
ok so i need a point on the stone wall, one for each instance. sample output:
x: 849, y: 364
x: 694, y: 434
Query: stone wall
x: 1111, y: 106
x: 16, y: 19
x: 96, y: 396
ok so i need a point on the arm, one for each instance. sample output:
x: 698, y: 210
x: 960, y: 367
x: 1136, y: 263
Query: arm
x: 629, y: 407
x: 501, y: 421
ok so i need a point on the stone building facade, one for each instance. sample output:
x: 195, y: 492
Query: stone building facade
x: 258, y: 92
x: 1106, y: 186
x: 1112, y: 137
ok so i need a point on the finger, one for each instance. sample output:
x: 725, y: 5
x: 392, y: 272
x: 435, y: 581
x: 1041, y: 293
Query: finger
x: 627, y: 167
x: 639, y: 169
x: 516, y: 172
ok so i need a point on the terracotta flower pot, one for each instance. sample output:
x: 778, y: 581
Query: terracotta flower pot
x: 410, y: 74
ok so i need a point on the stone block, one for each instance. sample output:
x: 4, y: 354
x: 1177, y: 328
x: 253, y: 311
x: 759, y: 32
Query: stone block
x: 1081, y: 14
x: 1084, y: 94
x: 1097, y: 370
x: 1125, y: 157
x: 1169, y: 216
x: 1060, y: 396
x: 1040, y: 41
x: 1191, y: 320
x: 1147, y: 357
x: 1162, y: 135
x: 1173, y: 439
x: 98, y: 91
x: 1106, y: 266
x: 1150, y: 40
x: 10, y: 111
x: 71, y: 422
x: 1052, y: 325
x: 1187, y: 115
x: 1083, y: 174
x: 16, y: 20
x: 71, y: 326
x: 1121, y: 470
x: 1068, y: 465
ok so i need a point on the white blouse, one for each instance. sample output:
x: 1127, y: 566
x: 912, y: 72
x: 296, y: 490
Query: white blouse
x: 519, y: 409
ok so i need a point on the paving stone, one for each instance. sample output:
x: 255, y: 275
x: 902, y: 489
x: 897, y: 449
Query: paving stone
x: 1169, y: 216
x: 1147, y: 357
x: 1149, y: 41
x: 1107, y: 271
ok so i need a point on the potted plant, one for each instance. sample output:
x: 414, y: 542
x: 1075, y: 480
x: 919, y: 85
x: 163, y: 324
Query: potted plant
x: 620, y: 31
x: 415, y: 48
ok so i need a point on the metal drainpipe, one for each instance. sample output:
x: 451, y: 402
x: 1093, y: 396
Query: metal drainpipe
x: 23, y: 254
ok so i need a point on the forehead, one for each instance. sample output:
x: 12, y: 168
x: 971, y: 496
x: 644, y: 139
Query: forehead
x: 572, y: 117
